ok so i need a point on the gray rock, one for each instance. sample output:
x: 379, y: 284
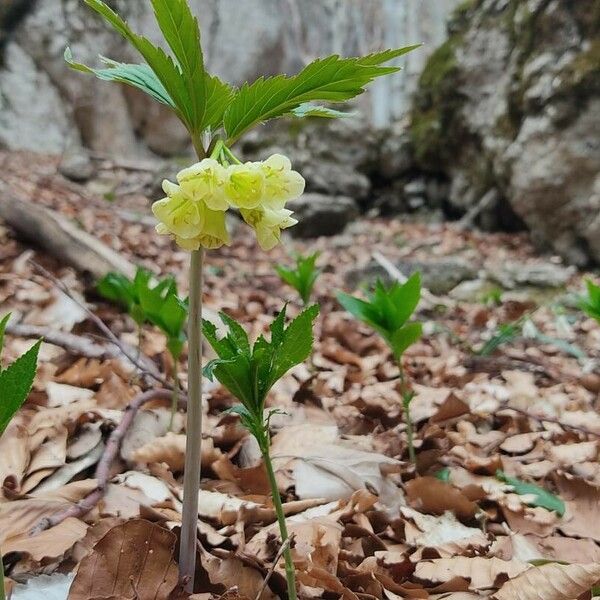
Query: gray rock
x: 439, y: 276
x: 415, y: 188
x: 318, y: 214
x: 513, y: 274
x: 495, y: 110
x: 77, y: 166
x: 474, y: 290
x: 44, y: 105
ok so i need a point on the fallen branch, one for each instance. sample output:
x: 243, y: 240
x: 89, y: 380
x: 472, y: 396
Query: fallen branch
x: 102, y: 474
x: 61, y: 237
x: 488, y: 200
x: 74, y: 344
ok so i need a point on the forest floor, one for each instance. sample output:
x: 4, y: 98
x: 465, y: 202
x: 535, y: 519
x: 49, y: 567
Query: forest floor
x: 507, y: 385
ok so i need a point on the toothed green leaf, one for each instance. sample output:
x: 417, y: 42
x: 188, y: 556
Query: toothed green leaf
x: 330, y: 79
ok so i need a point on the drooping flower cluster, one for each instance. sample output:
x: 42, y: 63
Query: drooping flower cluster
x: 195, y: 207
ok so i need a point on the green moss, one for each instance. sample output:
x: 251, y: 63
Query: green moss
x: 441, y: 64
x: 436, y: 104
x: 584, y: 68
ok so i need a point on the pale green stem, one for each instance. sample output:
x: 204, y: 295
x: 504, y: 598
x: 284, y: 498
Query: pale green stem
x: 175, y: 395
x: 406, y: 399
x: 191, y: 479
x: 2, y: 592
x: 290, y: 573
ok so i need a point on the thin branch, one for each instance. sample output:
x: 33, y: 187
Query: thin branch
x: 282, y: 549
x: 102, y: 474
x: 74, y: 344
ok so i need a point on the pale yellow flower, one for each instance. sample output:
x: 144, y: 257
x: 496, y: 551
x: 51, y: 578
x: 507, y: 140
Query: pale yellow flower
x: 205, y: 182
x: 214, y: 235
x: 177, y: 213
x: 245, y: 185
x: 268, y: 223
x: 282, y: 184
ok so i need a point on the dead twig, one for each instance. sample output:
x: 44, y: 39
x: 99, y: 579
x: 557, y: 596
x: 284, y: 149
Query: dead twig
x: 74, y: 344
x: 265, y: 582
x: 102, y: 474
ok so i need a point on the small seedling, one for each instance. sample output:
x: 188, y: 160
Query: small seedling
x: 303, y: 277
x: 388, y: 311
x: 149, y: 301
x: 15, y: 384
x: 249, y: 372
x: 590, y: 304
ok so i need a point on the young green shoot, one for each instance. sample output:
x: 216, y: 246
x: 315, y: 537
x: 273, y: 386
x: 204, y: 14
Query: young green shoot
x: 216, y: 116
x: 249, y: 371
x: 156, y: 302
x: 303, y: 277
x: 590, y: 303
x: 388, y: 310
x: 15, y: 382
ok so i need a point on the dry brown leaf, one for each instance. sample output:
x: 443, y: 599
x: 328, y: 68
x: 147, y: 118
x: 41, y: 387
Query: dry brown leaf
x: 17, y: 518
x: 132, y: 560
x: 582, y: 501
x: 61, y: 394
x: 49, y: 544
x: 445, y: 532
x: 170, y: 449
x: 232, y: 574
x: 146, y: 427
x: 567, y: 455
x: 325, y: 466
x: 483, y: 573
x: 551, y: 582
x: 431, y: 495
x: 14, y: 456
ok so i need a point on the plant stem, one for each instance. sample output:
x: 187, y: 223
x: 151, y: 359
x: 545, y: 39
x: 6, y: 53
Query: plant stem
x: 175, y: 395
x: 191, y: 478
x: 407, y: 397
x: 2, y: 592
x: 290, y: 573
x: 409, y: 429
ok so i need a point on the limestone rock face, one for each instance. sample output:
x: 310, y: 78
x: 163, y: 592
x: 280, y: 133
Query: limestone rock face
x: 512, y: 101
x: 47, y: 107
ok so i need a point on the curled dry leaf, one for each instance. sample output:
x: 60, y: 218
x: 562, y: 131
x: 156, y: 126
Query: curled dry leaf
x: 170, y: 449
x: 551, y: 582
x: 431, y: 495
x: 132, y: 561
x: 483, y: 573
x: 444, y: 532
x: 326, y: 466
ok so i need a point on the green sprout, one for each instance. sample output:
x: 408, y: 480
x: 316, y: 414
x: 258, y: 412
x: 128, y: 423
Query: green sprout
x: 303, y: 277
x: 249, y: 372
x: 388, y: 311
x: 158, y: 303
x: 217, y: 115
x: 15, y: 382
x: 590, y: 304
